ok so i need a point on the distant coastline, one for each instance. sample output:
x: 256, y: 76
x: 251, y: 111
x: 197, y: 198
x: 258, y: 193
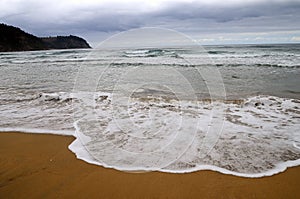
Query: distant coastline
x: 14, y: 39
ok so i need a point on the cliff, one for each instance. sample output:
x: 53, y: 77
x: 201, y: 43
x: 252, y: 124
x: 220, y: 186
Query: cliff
x: 64, y: 42
x: 15, y: 39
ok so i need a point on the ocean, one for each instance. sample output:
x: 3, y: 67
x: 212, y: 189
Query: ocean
x: 231, y: 108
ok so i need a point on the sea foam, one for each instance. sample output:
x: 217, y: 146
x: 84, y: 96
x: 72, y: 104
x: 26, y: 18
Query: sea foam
x: 259, y: 136
x: 247, y: 136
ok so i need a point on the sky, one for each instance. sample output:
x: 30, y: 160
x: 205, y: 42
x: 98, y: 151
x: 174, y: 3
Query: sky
x: 206, y: 21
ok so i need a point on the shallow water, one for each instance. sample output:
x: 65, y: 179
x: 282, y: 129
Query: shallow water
x: 234, y: 109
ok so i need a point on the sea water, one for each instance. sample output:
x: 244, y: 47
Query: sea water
x: 233, y: 109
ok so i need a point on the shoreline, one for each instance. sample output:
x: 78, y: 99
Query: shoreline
x: 41, y: 165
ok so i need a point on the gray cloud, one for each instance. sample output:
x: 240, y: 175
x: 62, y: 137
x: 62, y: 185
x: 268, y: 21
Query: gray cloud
x: 264, y: 15
x: 234, y: 12
x: 61, y: 17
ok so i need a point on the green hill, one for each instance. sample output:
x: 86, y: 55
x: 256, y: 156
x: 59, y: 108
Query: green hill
x: 15, y: 39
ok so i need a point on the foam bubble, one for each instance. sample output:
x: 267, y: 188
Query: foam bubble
x: 260, y: 136
x: 257, y: 137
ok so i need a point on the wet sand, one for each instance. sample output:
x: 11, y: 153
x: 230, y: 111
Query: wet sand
x: 41, y: 166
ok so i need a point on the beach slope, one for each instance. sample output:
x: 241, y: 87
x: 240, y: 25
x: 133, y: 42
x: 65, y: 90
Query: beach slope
x: 41, y: 166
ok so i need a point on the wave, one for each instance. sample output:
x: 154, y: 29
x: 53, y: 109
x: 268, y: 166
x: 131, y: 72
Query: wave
x: 60, y: 96
x: 62, y: 52
x: 277, y: 65
x: 258, y: 125
x: 255, y: 123
x: 293, y: 92
x: 44, y: 61
x: 258, y: 137
x: 217, y: 52
x: 202, y: 65
x: 260, y: 65
x: 80, y: 151
x: 55, y: 97
x: 150, y: 53
x: 38, y: 131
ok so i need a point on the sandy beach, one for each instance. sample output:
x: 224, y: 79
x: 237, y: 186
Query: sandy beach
x: 41, y: 166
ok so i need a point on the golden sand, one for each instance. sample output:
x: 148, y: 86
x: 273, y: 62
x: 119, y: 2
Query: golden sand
x: 41, y: 166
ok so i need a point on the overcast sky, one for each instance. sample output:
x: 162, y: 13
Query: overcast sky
x: 207, y: 21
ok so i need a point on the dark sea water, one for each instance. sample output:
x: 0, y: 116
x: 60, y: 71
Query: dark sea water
x: 234, y: 109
